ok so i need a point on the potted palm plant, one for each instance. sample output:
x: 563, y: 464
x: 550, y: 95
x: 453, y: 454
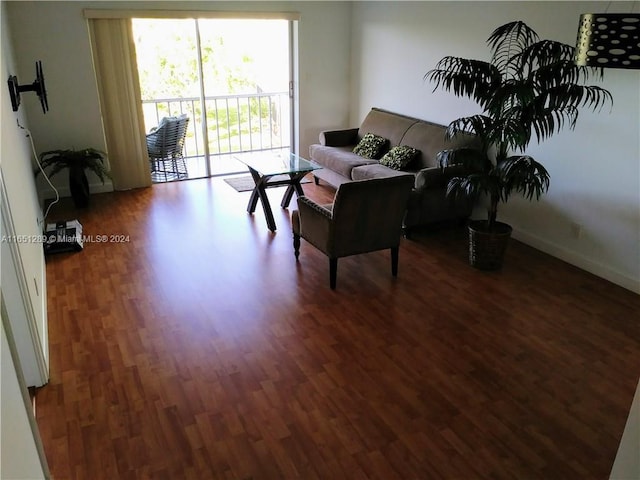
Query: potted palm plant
x: 530, y: 87
x: 77, y: 162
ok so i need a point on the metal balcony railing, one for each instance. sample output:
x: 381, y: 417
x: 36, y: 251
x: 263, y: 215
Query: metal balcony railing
x: 234, y: 124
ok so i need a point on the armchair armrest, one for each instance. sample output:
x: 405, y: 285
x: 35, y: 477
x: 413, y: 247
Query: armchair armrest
x: 434, y: 177
x: 339, y: 138
x: 315, y: 223
x: 304, y: 203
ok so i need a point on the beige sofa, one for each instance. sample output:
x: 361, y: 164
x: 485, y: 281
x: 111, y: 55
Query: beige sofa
x: 428, y: 202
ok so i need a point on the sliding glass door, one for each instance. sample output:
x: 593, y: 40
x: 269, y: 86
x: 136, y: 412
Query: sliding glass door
x: 231, y: 77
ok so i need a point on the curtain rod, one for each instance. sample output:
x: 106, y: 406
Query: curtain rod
x: 180, y: 14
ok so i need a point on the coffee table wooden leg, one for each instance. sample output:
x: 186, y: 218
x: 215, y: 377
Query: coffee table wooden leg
x: 294, y: 186
x: 260, y: 192
x: 253, y: 200
x: 271, y: 223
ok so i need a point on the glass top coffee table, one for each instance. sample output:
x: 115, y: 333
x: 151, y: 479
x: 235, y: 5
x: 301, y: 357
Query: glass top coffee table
x: 289, y: 169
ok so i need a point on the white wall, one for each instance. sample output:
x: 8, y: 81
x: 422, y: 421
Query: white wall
x: 24, y: 212
x: 56, y: 33
x: 595, y: 172
x: 20, y: 456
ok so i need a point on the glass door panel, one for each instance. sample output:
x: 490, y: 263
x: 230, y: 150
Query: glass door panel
x: 169, y: 83
x: 231, y: 77
x: 245, y: 67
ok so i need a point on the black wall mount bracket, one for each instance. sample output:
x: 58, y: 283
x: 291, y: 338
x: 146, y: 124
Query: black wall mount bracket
x: 38, y: 86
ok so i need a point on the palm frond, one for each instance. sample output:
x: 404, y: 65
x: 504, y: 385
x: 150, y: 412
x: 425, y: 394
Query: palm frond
x: 464, y: 77
x: 523, y: 174
x: 554, y: 121
x: 513, y: 130
x: 55, y: 169
x: 543, y: 53
x: 87, y: 158
x: 460, y: 188
x: 578, y: 95
x: 545, y: 120
x: 100, y: 170
x: 481, y: 126
x: 509, y: 94
x: 475, y: 185
x: 558, y: 73
x: 465, y: 188
x: 506, y: 42
x: 470, y: 159
x: 506, y: 131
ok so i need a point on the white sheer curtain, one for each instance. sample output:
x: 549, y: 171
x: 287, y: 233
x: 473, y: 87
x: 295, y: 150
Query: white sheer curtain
x: 114, y: 59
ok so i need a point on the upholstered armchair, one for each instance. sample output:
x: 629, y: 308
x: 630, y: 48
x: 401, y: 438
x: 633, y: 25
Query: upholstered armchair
x: 365, y: 216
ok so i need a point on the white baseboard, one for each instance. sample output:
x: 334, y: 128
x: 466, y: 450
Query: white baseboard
x: 578, y: 260
x: 48, y: 193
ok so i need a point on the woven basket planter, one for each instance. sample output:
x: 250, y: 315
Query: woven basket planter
x: 486, y: 249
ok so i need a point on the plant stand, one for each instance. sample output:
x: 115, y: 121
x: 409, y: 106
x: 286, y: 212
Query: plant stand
x: 79, y: 187
x: 487, y: 248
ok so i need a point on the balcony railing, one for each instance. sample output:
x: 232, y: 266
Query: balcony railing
x: 235, y: 124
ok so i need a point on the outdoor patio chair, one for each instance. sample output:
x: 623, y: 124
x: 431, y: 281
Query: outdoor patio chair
x: 164, y: 145
x: 365, y: 216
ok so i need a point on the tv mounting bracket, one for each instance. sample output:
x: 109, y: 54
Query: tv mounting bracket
x: 37, y: 86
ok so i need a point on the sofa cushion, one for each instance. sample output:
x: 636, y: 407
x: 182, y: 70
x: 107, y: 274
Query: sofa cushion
x: 386, y: 124
x: 429, y: 138
x: 371, y: 146
x: 339, y: 138
x: 375, y: 170
x: 338, y: 159
x: 399, y: 157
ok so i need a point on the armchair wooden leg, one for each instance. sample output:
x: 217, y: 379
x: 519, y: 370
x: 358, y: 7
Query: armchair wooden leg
x: 333, y: 272
x: 394, y: 261
x: 296, y: 245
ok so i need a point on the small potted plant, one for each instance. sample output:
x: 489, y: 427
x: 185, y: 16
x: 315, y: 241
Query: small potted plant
x: 77, y: 162
x: 529, y: 87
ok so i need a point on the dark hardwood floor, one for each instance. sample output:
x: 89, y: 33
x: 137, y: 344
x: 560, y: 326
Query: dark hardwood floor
x: 196, y: 347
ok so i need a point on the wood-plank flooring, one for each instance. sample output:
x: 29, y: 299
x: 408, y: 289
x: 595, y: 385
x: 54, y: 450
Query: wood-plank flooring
x: 191, y: 345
